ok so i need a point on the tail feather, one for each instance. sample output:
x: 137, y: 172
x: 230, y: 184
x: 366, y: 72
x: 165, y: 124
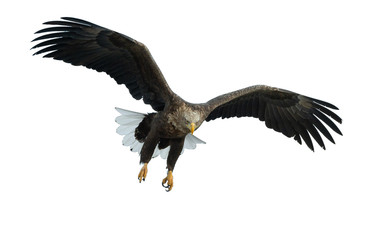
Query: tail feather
x: 123, y: 130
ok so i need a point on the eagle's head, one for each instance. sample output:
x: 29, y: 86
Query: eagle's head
x: 192, y: 120
x: 186, y: 118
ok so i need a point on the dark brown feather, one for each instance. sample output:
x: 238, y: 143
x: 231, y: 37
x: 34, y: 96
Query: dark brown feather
x: 142, y: 130
x: 129, y: 62
x: 287, y: 112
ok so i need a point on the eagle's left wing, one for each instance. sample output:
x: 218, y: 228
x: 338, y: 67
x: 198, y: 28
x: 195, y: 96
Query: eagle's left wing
x: 287, y: 112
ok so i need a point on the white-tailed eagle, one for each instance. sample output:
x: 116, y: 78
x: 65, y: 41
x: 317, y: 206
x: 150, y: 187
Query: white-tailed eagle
x: 168, y: 131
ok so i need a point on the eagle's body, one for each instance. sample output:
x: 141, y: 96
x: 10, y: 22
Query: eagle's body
x: 169, y: 130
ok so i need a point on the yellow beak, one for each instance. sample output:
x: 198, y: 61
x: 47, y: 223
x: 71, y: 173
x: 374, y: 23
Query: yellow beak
x: 193, y: 126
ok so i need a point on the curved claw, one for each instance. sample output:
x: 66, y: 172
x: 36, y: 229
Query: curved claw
x: 143, y: 173
x: 169, y: 180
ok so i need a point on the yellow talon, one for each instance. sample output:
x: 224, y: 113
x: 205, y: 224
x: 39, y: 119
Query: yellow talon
x: 143, y: 173
x: 169, y: 179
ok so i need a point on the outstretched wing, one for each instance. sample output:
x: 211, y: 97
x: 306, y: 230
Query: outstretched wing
x: 287, y: 112
x: 126, y: 60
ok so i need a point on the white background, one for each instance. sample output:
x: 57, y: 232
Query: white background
x: 64, y: 173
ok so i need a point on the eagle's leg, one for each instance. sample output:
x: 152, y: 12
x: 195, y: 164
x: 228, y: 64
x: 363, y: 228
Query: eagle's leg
x: 169, y: 180
x: 176, y: 146
x: 146, y: 154
x: 143, y: 172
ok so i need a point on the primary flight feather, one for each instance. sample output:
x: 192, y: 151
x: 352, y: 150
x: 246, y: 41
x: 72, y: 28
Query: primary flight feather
x: 169, y: 130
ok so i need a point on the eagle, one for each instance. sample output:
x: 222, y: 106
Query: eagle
x: 169, y: 130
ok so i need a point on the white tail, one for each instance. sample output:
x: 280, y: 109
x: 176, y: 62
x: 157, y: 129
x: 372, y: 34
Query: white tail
x: 129, y: 121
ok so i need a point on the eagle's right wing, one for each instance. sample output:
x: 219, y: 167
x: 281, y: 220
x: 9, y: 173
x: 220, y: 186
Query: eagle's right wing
x: 126, y: 60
